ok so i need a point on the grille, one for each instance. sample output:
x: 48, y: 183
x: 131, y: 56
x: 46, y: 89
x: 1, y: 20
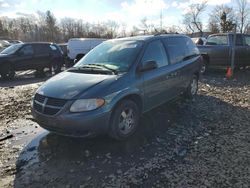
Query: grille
x: 39, y: 98
x: 47, y: 105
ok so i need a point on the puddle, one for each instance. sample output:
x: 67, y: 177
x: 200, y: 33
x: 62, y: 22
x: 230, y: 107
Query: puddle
x: 49, y: 157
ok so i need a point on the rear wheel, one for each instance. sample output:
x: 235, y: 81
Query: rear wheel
x: 204, y: 66
x: 40, y: 73
x: 124, y: 120
x: 192, y: 88
x: 7, y: 72
x: 56, y: 68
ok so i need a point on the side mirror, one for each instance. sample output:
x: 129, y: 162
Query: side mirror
x: 148, y: 65
x: 75, y: 61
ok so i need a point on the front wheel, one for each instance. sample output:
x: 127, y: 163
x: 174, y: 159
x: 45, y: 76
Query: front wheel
x: 7, y: 73
x: 204, y: 67
x: 192, y: 88
x: 124, y: 120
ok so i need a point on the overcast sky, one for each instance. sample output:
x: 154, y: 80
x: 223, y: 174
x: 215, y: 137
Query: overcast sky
x: 122, y: 11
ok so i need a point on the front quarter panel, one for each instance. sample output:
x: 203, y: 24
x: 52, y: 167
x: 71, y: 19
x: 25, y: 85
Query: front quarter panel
x: 115, y: 90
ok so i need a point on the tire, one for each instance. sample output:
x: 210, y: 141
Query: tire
x: 7, y: 73
x: 204, y: 66
x: 124, y: 120
x: 56, y: 68
x: 192, y: 88
x: 40, y: 73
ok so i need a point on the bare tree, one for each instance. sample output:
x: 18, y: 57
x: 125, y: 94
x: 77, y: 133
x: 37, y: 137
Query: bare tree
x: 111, y: 27
x: 221, y: 19
x: 144, y: 26
x: 243, y: 14
x: 51, y: 27
x: 67, y: 28
x: 213, y: 26
x: 192, y: 19
x: 174, y: 29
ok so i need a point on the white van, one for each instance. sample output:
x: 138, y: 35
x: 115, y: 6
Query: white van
x: 78, y: 47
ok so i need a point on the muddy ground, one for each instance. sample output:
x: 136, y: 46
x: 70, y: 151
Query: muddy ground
x: 204, y: 142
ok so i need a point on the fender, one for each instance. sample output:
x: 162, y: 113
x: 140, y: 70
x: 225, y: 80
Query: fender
x: 114, y: 98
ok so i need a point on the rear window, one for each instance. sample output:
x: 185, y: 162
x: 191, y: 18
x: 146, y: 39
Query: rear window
x: 176, y: 47
x: 217, y: 40
x: 155, y: 51
x: 191, y: 49
x: 42, y: 49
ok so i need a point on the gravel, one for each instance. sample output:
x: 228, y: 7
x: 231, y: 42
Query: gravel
x: 204, y: 142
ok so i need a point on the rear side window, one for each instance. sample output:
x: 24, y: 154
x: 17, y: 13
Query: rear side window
x: 27, y: 50
x: 42, y: 49
x: 217, y: 40
x: 176, y: 47
x: 191, y: 49
x: 155, y: 51
x: 53, y: 47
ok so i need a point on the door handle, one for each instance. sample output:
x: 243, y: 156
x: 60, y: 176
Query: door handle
x: 174, y: 74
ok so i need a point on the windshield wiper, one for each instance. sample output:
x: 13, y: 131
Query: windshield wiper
x: 87, y: 68
x: 104, y: 66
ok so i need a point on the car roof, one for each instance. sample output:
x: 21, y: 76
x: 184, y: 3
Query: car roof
x: 49, y: 43
x: 230, y: 33
x: 150, y: 37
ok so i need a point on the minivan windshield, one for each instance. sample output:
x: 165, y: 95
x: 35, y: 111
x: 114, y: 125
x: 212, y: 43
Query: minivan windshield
x: 116, y: 55
x: 12, y: 49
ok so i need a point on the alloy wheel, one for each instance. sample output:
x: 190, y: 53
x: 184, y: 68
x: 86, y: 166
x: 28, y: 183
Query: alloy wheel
x: 126, y: 121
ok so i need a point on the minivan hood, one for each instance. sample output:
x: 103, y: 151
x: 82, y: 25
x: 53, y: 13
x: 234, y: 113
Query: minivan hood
x: 68, y: 85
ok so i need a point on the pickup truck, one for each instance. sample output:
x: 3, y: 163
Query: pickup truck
x: 217, y: 51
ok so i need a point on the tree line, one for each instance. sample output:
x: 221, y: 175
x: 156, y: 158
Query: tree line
x: 222, y: 18
x: 46, y: 27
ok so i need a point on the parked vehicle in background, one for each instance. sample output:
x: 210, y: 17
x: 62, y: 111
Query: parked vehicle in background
x: 199, y: 40
x: 217, y: 50
x: 110, y: 87
x: 63, y: 47
x: 79, y: 47
x: 14, y: 41
x: 24, y: 56
x: 4, y: 44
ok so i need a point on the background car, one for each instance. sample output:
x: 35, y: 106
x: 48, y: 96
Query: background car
x: 4, y: 44
x: 217, y: 51
x: 79, y: 47
x: 199, y: 40
x: 24, y: 56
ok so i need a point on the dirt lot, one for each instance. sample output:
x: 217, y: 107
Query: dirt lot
x: 200, y: 143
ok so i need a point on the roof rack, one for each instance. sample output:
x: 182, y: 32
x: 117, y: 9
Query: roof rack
x: 164, y: 33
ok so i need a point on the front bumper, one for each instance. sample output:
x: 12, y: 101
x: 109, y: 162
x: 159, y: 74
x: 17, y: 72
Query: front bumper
x: 84, y: 124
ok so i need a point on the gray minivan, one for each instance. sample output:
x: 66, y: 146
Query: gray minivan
x: 109, y: 88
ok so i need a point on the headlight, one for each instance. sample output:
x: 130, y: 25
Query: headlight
x: 83, y: 105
